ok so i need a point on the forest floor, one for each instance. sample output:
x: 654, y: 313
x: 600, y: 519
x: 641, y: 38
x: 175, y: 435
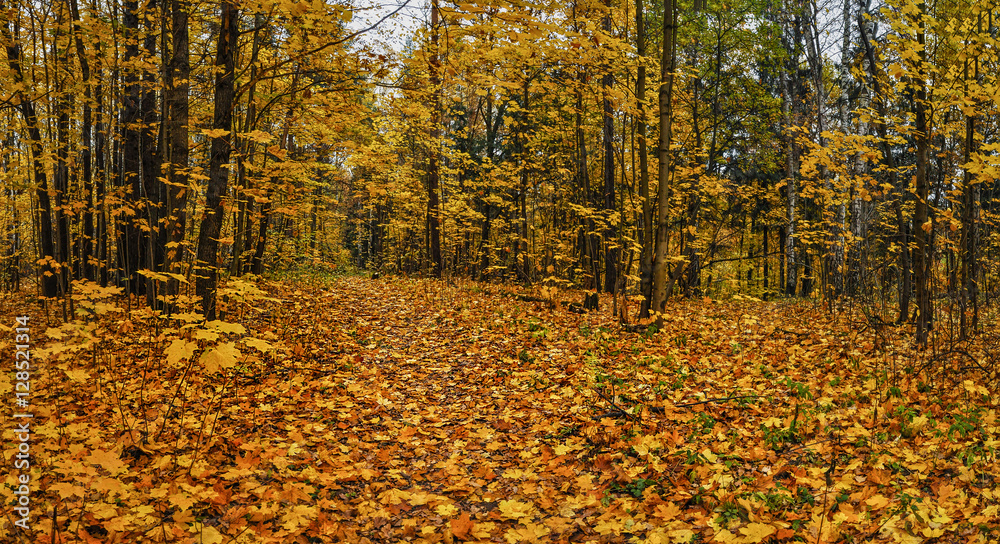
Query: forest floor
x: 397, y: 410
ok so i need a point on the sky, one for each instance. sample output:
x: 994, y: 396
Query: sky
x: 394, y: 31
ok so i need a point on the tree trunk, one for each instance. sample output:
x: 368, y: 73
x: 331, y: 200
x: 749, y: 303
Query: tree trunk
x: 177, y: 105
x: 129, y: 174
x: 152, y: 197
x: 611, y: 251
x: 646, y: 232
x: 588, y: 249
x: 218, y: 171
x: 970, y: 213
x: 890, y: 163
x: 790, y: 111
x: 61, y: 173
x: 665, y: 166
x: 86, y: 249
x: 242, y: 234
x: 433, y: 167
x: 922, y: 224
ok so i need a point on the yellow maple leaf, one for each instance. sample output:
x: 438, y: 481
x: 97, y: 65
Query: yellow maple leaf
x: 757, y: 532
x: 725, y: 536
x: 394, y: 496
x: 446, y: 510
x: 222, y: 356
x: 215, y: 132
x: 182, y: 500
x: 210, y: 535
x: 107, y: 459
x: 262, y: 346
x: 226, y: 327
x: 667, y: 511
x: 179, y: 349
x: 201, y: 334
x: 562, y: 449
x: 610, y: 526
x: 107, y: 485
x: 258, y: 136
x: 877, y: 502
x: 529, y: 532
x: 67, y: 490
x: 514, y: 510
x: 77, y: 375
x: 299, y: 516
x: 117, y: 524
x: 709, y: 455
x: 420, y: 498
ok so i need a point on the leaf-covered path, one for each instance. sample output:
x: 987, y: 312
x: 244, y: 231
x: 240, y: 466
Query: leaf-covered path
x: 406, y: 410
x: 460, y: 433
x: 477, y: 416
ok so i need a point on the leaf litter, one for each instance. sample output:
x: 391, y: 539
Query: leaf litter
x: 425, y: 411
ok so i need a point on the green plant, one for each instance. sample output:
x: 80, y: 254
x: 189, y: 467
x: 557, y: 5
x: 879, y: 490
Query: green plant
x: 964, y: 424
x: 799, y: 390
x: 805, y: 496
x: 537, y: 329
x: 635, y: 487
x: 706, y: 422
x: 773, y: 501
x: 777, y: 438
x: 730, y: 511
x: 601, y: 378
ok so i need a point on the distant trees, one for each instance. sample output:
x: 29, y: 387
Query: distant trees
x: 120, y: 135
x: 780, y: 170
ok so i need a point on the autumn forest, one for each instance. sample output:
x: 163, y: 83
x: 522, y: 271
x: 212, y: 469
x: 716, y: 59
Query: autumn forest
x: 510, y: 271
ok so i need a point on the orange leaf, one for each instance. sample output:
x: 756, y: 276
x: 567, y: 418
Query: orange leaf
x: 462, y: 527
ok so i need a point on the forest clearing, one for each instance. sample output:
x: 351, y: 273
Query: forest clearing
x: 359, y: 410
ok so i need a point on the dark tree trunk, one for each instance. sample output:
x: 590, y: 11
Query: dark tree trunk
x: 646, y: 232
x: 218, y: 169
x: 175, y: 97
x: 129, y: 178
x: 86, y: 254
x: 433, y: 168
x: 152, y: 194
x: 177, y: 106
x: 60, y: 173
x: 922, y: 224
x: 668, y: 65
x: 611, y: 251
x: 970, y: 217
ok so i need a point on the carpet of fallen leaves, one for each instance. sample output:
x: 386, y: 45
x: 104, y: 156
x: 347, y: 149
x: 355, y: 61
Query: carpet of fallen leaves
x: 419, y: 411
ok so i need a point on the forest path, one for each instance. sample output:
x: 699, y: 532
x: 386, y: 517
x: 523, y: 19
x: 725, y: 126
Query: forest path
x: 468, y: 422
